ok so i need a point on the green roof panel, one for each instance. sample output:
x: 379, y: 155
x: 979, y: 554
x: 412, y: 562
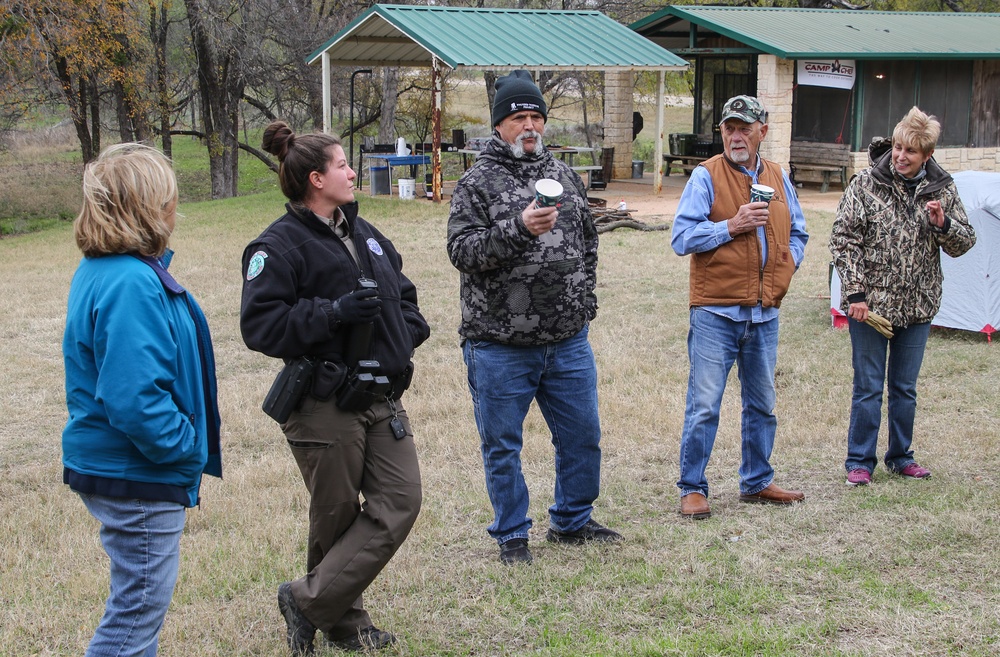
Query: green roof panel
x: 800, y: 33
x: 411, y: 35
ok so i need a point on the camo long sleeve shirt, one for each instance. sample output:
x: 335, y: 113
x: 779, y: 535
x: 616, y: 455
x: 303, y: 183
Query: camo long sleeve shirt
x: 517, y: 288
x: 885, y: 249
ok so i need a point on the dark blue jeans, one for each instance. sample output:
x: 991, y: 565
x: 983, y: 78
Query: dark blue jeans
x: 562, y: 378
x: 871, y: 374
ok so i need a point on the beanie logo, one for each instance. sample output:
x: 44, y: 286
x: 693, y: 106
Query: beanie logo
x: 515, y: 106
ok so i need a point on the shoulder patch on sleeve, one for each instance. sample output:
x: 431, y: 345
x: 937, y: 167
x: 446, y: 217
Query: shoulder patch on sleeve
x: 256, y: 265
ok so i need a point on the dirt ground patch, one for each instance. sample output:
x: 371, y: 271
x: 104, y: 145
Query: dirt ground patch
x: 644, y: 205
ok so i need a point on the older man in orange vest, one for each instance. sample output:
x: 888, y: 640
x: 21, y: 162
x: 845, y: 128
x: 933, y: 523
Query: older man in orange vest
x: 744, y: 252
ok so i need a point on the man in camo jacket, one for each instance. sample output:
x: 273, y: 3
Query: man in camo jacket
x: 527, y: 293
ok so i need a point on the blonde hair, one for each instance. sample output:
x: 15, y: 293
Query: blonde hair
x: 917, y: 130
x: 129, y: 193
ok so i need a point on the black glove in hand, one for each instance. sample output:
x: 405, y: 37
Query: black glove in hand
x: 358, y: 307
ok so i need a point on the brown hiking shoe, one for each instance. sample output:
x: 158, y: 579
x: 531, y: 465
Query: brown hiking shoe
x: 695, y: 506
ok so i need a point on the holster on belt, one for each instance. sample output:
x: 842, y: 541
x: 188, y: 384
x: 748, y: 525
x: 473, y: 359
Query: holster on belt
x: 289, y: 389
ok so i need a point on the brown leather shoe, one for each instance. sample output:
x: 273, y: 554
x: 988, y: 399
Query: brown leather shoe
x: 774, y: 495
x: 695, y: 506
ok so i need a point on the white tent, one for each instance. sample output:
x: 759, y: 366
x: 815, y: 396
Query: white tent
x: 971, y: 294
x: 971, y: 299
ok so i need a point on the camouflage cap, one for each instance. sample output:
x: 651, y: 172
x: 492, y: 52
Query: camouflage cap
x: 745, y: 108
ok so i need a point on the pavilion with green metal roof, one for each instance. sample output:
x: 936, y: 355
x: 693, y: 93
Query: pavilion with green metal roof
x: 844, y: 76
x: 480, y: 38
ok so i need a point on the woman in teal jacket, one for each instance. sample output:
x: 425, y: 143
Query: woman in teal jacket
x: 140, y: 388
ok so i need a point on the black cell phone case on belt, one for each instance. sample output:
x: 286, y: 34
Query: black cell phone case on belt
x: 288, y: 389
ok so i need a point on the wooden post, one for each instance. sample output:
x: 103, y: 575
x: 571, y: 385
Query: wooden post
x: 436, y: 128
x: 658, y: 151
x: 326, y: 92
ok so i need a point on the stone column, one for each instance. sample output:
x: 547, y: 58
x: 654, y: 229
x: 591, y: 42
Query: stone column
x: 618, y: 120
x: 775, y: 78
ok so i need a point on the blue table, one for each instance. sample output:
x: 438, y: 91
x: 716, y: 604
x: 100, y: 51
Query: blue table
x: 412, y: 161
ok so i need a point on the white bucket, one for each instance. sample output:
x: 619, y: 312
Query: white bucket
x: 406, y: 188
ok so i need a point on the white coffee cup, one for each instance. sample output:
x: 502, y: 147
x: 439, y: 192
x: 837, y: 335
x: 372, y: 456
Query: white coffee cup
x: 761, y: 193
x: 547, y: 192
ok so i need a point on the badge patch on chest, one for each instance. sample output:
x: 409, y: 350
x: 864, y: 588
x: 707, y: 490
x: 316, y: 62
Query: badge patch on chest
x: 256, y: 265
x: 374, y: 246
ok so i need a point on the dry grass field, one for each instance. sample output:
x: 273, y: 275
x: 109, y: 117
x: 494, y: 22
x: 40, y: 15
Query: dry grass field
x: 897, y: 568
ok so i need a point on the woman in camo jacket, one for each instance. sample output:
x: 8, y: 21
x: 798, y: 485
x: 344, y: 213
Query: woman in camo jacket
x: 891, y: 225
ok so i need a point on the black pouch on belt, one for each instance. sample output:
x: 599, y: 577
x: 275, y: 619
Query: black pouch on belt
x: 358, y: 392
x: 288, y: 389
x: 328, y: 377
x: 402, y: 381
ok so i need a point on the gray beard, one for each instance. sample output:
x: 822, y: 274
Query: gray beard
x: 741, y: 157
x: 517, y: 148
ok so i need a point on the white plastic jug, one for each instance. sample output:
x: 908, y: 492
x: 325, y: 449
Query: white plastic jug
x: 401, y: 148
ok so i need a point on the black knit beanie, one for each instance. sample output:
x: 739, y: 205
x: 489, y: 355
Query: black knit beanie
x: 517, y: 93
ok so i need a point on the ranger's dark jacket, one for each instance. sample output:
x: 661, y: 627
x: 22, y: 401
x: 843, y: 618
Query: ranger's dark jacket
x: 516, y: 288
x: 886, y: 251
x: 294, y: 271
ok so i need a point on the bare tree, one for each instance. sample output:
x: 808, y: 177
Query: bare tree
x: 89, y: 48
x: 390, y: 99
x: 218, y: 43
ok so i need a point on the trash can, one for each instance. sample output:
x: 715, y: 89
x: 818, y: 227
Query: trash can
x: 429, y: 185
x: 682, y: 143
x: 380, y: 181
x: 637, y: 167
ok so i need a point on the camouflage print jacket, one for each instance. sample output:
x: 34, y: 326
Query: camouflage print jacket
x: 885, y: 249
x: 516, y: 288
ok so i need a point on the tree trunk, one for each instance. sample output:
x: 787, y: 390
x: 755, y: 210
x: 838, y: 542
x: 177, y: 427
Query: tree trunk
x: 220, y: 88
x: 75, y: 93
x: 94, y: 98
x: 126, y: 129
x: 390, y: 87
x: 158, y: 37
x: 490, y: 78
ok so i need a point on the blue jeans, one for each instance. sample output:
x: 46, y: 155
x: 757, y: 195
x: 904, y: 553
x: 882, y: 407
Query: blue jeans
x: 562, y: 378
x: 142, y: 539
x: 714, y: 344
x: 868, y: 355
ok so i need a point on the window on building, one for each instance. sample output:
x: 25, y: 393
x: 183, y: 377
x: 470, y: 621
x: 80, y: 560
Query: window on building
x: 822, y: 114
x: 718, y: 80
x: 946, y: 92
x: 941, y: 88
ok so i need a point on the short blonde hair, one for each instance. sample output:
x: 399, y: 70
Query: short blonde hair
x: 917, y: 130
x: 129, y: 192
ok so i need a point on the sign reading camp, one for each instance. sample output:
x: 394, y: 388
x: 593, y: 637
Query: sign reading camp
x: 836, y: 73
